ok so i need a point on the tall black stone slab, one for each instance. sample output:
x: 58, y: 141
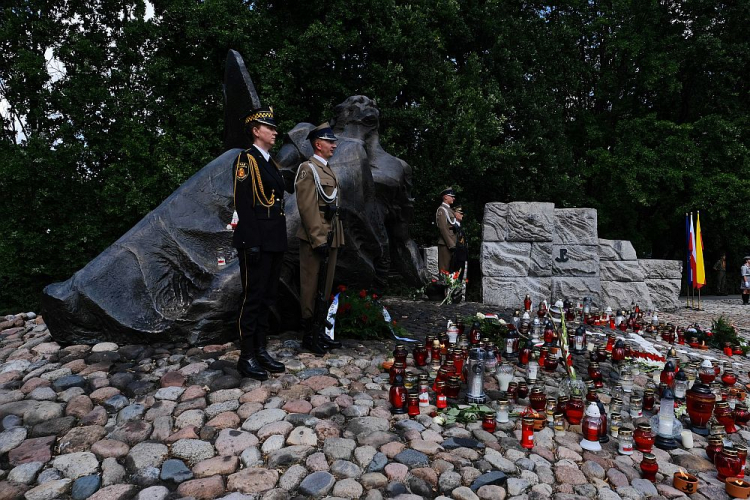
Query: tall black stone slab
x: 160, y: 281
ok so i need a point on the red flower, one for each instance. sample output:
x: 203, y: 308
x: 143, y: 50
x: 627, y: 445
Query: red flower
x: 362, y: 293
x: 347, y: 307
x: 434, y: 280
x: 374, y: 296
x: 341, y: 288
x: 331, y: 298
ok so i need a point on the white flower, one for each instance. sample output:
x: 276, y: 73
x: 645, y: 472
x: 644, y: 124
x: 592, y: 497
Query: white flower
x: 439, y: 420
x: 480, y: 315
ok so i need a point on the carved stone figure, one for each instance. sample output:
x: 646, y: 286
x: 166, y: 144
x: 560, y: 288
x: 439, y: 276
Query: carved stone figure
x: 174, y: 276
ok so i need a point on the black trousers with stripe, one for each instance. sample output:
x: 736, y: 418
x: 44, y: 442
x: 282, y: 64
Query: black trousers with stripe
x: 260, y: 285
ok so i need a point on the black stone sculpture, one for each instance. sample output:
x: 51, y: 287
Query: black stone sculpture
x: 163, y: 280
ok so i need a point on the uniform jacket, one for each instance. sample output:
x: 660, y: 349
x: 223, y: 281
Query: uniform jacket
x: 314, y: 227
x: 257, y: 182
x: 462, y: 249
x: 447, y: 235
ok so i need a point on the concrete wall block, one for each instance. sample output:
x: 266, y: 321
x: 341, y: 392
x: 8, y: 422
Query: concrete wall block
x: 528, y: 221
x: 505, y: 259
x: 494, y: 223
x: 575, y: 226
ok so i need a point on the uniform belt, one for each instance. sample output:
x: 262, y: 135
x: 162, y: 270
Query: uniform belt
x: 328, y: 211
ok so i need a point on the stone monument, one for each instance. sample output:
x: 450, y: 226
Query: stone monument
x: 553, y: 253
x: 174, y: 277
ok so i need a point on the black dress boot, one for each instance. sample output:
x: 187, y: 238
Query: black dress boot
x: 263, y: 356
x: 248, y: 365
x: 310, y: 338
x: 329, y: 343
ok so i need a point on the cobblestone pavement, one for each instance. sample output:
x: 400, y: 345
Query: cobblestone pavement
x: 176, y: 422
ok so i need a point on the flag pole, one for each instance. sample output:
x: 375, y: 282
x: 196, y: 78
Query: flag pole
x: 687, y: 261
x: 699, y: 299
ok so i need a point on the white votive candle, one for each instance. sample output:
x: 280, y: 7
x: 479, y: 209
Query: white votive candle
x: 687, y: 439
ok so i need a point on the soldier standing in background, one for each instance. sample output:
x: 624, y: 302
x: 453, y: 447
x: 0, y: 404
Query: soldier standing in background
x: 317, y: 200
x: 446, y: 220
x: 260, y: 240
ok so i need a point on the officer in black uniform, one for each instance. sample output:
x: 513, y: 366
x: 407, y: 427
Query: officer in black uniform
x: 461, y: 253
x: 260, y: 239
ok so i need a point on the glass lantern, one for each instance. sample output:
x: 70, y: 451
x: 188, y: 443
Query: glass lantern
x: 618, y: 351
x: 397, y: 395
x: 627, y: 382
x: 536, y: 331
x: 533, y: 368
x: 503, y: 413
x: 579, y: 340
x: 706, y: 372
x: 619, y: 318
x: 680, y: 385
x: 668, y: 374
x: 625, y: 441
x: 511, y: 344
x: 691, y: 373
x: 504, y: 375
x: 664, y: 439
x: 591, y: 426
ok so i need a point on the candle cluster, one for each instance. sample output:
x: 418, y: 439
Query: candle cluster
x: 612, y: 350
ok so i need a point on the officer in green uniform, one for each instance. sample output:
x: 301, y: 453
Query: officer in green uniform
x: 317, y: 191
x: 445, y: 220
x: 260, y: 240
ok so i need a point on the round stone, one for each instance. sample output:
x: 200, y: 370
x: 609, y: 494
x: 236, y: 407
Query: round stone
x: 193, y: 450
x: 110, y: 448
x: 75, y: 465
x: 146, y: 454
x: 302, y: 436
x: 317, y: 484
x: 153, y: 493
x: 12, y: 438
x: 84, y: 487
x: 176, y: 471
x: 25, y: 473
x: 234, y: 442
x: 104, y: 347
x: 347, y: 488
x: 263, y: 417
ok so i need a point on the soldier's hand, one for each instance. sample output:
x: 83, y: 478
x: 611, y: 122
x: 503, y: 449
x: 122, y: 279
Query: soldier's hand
x: 253, y: 255
x: 322, y: 250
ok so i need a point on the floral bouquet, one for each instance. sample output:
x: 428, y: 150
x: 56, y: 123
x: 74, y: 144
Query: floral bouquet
x: 453, y: 286
x: 361, y: 315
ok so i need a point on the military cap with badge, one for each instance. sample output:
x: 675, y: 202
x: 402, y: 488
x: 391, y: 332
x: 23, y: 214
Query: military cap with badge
x: 322, y: 131
x: 263, y: 114
x: 448, y: 192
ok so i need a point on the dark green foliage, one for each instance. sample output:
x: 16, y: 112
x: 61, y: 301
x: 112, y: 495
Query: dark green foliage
x: 360, y: 316
x: 723, y: 332
x: 635, y: 108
